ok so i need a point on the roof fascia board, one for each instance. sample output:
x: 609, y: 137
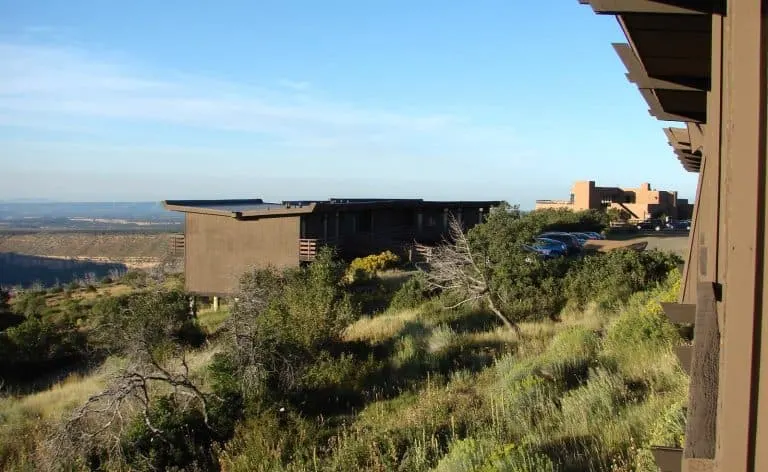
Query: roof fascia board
x: 201, y: 211
x: 688, y: 7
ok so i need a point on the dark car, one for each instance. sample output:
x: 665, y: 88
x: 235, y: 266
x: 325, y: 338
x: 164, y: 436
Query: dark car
x: 571, y: 242
x: 651, y: 225
x: 681, y: 225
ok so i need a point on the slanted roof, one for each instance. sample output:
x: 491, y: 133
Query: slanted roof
x: 238, y: 208
x: 255, y: 208
x: 668, y: 57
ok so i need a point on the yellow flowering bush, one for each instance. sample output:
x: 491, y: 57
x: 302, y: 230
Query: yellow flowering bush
x: 366, y: 267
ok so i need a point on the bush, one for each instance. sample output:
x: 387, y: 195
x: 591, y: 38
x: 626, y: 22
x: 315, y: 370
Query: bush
x: 364, y: 268
x: 411, y: 294
x: 613, y: 277
x: 283, y: 320
x: 38, y: 345
x: 184, y: 441
x: 156, y: 318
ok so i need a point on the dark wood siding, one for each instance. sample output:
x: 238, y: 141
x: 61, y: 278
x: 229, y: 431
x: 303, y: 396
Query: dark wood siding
x: 220, y: 249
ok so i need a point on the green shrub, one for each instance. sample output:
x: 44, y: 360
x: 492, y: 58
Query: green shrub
x: 38, y: 345
x: 611, y: 278
x: 156, y: 317
x: 182, y: 440
x: 283, y: 320
x: 411, y: 294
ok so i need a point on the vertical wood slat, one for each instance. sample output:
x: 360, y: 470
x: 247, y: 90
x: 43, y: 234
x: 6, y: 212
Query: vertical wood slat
x: 685, y: 356
x: 701, y: 426
x: 680, y: 313
x: 668, y: 459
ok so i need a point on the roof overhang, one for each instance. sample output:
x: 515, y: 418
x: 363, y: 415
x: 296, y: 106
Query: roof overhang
x: 209, y: 207
x: 668, y: 57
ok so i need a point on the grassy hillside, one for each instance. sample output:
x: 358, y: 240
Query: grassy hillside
x: 346, y: 368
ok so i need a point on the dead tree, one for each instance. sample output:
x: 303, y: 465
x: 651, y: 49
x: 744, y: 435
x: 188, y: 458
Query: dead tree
x: 455, y: 268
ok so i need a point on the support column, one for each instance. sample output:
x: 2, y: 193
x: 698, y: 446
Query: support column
x: 743, y: 415
x: 215, y: 303
x: 419, y: 221
x: 337, y: 235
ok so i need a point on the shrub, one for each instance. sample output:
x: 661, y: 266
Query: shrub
x: 367, y: 267
x: 183, y: 440
x: 613, y: 277
x: 38, y: 345
x: 136, y: 279
x: 282, y: 321
x: 156, y: 318
x: 411, y: 294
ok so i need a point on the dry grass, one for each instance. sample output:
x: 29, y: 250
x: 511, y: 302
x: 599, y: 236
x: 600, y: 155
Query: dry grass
x: 211, y: 321
x: 379, y: 328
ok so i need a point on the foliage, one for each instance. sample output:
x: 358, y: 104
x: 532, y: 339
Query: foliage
x: 155, y: 318
x: 411, y: 294
x: 38, y: 345
x: 612, y: 277
x: 283, y: 320
x: 184, y: 440
x: 364, y: 268
x: 616, y: 215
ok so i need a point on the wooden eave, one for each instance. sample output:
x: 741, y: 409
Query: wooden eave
x: 691, y: 7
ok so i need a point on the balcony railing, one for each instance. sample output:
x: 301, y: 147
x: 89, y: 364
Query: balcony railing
x: 308, y: 247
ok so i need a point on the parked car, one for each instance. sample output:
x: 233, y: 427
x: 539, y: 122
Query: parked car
x: 681, y: 225
x: 595, y: 235
x: 571, y: 242
x: 585, y: 235
x: 553, y: 245
x: 547, y: 248
x: 654, y: 225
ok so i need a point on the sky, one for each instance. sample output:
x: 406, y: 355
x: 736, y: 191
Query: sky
x: 287, y: 99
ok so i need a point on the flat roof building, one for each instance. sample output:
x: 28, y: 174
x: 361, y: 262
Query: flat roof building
x: 638, y: 203
x: 225, y: 238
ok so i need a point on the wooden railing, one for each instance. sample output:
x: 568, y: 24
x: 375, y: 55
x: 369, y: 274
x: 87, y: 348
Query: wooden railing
x: 308, y: 247
x: 176, y: 245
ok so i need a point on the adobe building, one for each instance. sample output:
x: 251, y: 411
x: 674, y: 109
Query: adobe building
x: 703, y: 63
x: 639, y: 203
x: 225, y: 238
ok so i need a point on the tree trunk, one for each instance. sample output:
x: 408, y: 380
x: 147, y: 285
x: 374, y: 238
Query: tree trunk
x: 501, y: 315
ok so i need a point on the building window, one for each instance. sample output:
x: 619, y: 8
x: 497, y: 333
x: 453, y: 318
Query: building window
x: 431, y: 221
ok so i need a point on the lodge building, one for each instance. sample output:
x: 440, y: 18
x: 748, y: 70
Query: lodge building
x: 225, y: 238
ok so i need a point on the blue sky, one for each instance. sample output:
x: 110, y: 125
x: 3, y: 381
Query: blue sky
x: 148, y: 100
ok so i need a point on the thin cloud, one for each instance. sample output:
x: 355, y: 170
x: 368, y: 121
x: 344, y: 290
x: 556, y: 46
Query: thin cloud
x: 298, y: 86
x: 71, y: 83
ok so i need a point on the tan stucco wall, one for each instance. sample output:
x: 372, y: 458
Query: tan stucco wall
x: 220, y: 249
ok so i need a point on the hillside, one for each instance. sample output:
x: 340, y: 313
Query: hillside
x: 134, y: 250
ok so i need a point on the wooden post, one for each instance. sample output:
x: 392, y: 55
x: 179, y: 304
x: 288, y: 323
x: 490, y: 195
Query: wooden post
x: 701, y: 427
x: 325, y: 226
x: 215, y: 303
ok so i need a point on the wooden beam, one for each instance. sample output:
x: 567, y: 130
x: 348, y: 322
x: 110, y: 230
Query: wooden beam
x: 637, y: 74
x: 668, y: 459
x: 681, y: 313
x: 685, y: 354
x: 686, y: 7
x: 701, y: 425
x: 696, y: 133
